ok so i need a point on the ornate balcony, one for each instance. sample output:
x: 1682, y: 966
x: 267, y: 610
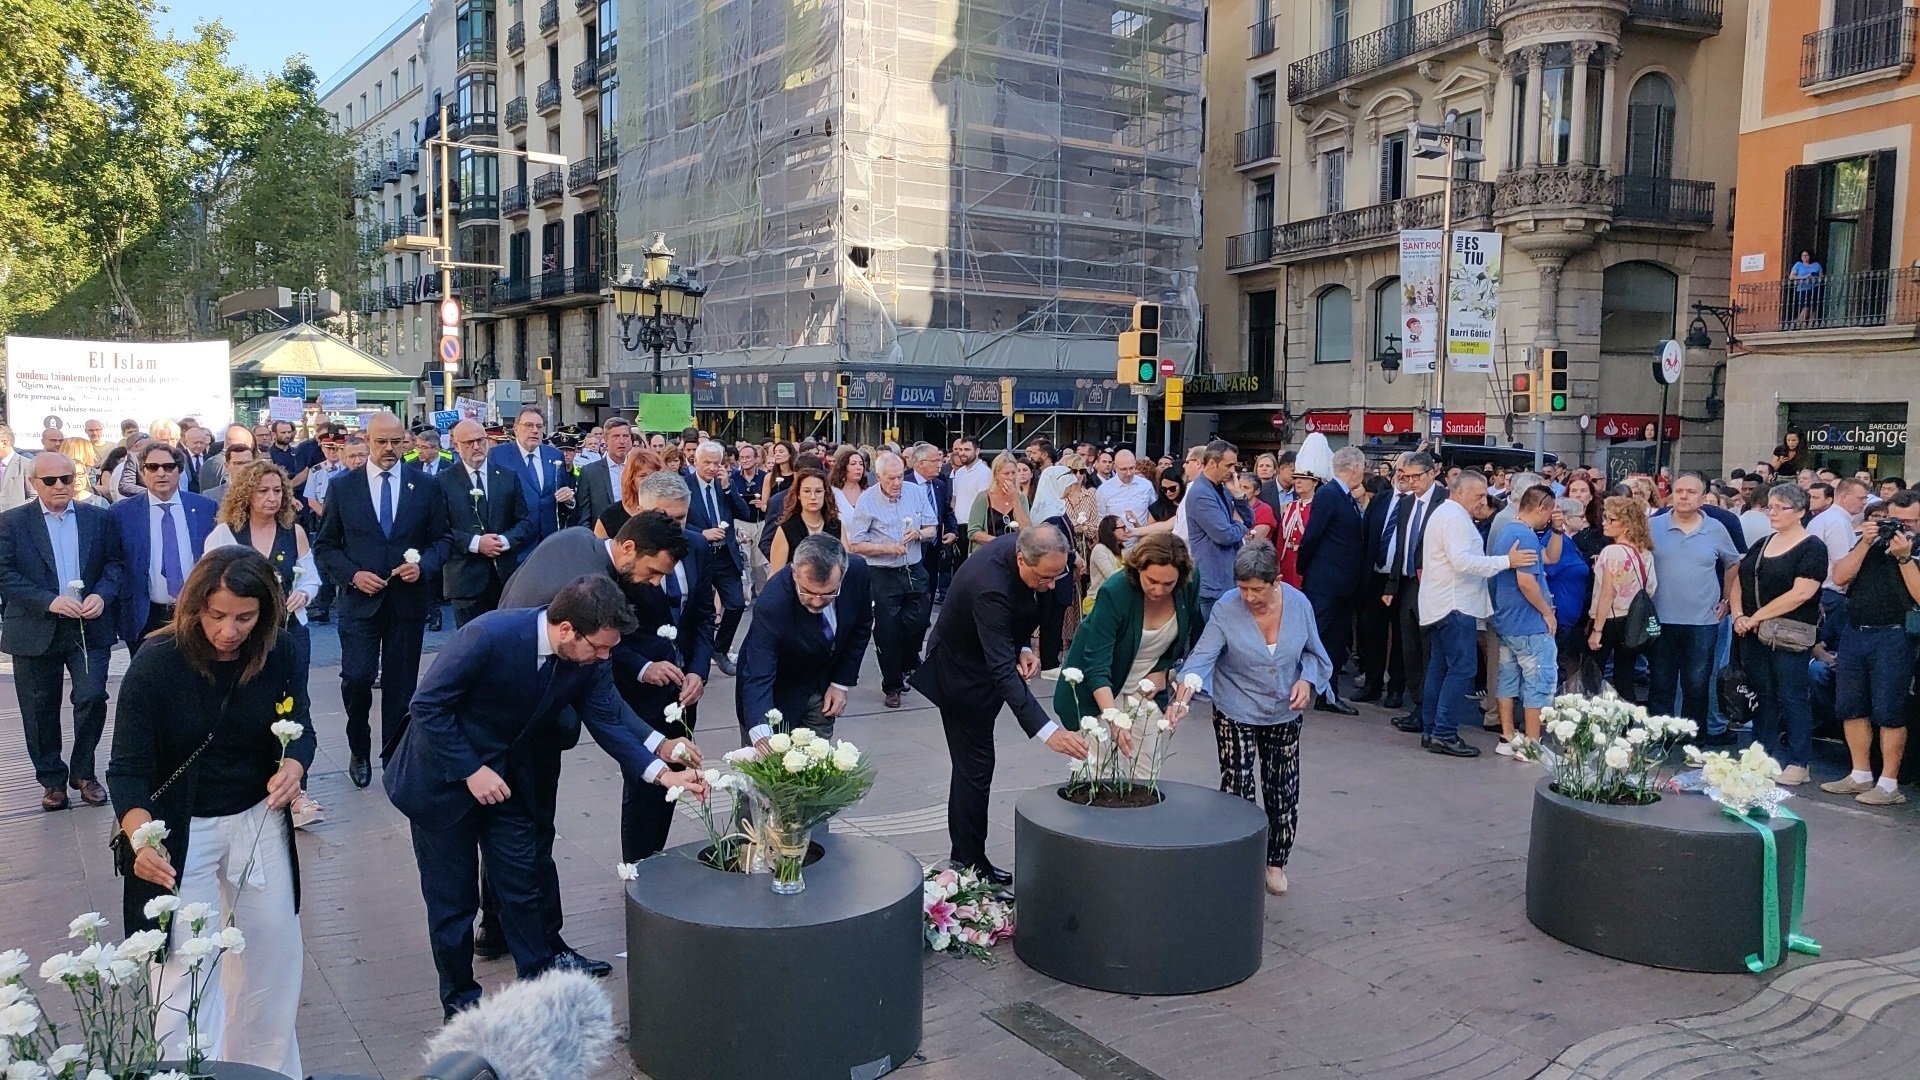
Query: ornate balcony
x: 581, y: 7
x: 1886, y: 302
x: 586, y: 77
x: 1859, y: 51
x: 546, y: 99
x: 1257, y: 144
x: 517, y: 113
x: 583, y: 176
x: 1659, y: 202
x: 517, y: 38
x: 513, y: 202
x: 550, y: 18
x: 1379, y: 226
x: 1432, y: 31
x: 1554, y: 189
x: 1685, y: 18
x: 549, y: 188
x: 390, y: 171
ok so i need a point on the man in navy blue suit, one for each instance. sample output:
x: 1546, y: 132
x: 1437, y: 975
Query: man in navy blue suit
x: 488, y: 514
x: 810, y: 630
x: 163, y: 532
x: 47, y: 545
x: 510, y: 685
x: 711, y: 512
x: 1333, y: 564
x: 384, y: 538
x: 543, y: 472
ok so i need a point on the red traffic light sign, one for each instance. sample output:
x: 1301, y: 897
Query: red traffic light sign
x: 1166, y: 367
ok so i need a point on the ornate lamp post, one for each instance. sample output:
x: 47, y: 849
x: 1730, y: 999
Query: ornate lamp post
x: 658, y: 312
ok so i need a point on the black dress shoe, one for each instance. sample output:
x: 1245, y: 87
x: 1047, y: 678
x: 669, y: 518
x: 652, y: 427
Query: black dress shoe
x: 1454, y: 747
x: 359, y: 771
x: 993, y: 875
x: 1409, y: 724
x: 725, y: 665
x: 1393, y: 699
x: 573, y: 961
x: 489, y: 945
x: 1335, y: 705
x: 1364, y: 696
x: 433, y: 621
x: 1426, y: 742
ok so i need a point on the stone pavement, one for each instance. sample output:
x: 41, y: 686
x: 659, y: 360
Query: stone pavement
x: 1402, y: 951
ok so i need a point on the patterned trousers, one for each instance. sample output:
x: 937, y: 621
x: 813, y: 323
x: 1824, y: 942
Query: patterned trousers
x: 1278, y: 748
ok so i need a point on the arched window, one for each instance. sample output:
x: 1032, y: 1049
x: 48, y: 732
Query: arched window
x: 1638, y: 303
x: 1387, y: 328
x: 1333, y: 326
x: 1651, y: 112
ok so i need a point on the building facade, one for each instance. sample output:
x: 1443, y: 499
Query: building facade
x: 1605, y: 161
x: 925, y: 199
x: 1828, y: 131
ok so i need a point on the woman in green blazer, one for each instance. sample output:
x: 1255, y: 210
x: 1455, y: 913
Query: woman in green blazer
x: 1143, y: 621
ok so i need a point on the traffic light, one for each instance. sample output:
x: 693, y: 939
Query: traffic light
x: 1559, y: 382
x: 1523, y: 392
x: 1176, y: 398
x: 1140, y: 347
x: 1006, y: 396
x: 840, y: 381
x: 546, y: 372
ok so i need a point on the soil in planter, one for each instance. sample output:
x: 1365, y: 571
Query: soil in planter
x: 706, y: 857
x: 1109, y: 795
x: 1623, y: 800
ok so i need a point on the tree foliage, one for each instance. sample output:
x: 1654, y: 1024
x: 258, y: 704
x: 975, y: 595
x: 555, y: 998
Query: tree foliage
x: 144, y: 176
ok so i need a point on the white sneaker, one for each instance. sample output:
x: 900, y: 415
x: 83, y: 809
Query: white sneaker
x: 1792, y: 776
x: 1503, y: 748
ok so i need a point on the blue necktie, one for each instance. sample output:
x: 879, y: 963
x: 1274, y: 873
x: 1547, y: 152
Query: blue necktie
x: 826, y: 626
x: 671, y: 586
x: 170, y: 570
x: 386, y: 503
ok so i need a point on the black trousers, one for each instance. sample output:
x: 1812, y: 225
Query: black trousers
x: 1333, y: 615
x: 36, y: 681
x: 158, y: 615
x: 1413, y: 643
x: 386, y: 645
x: 467, y: 609
x: 1376, y: 640
x: 969, y: 730
x: 900, y: 609
x: 541, y: 790
x: 645, y: 814
x: 449, y: 858
x: 733, y: 603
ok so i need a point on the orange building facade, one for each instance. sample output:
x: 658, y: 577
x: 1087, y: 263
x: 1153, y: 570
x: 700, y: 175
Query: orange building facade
x: 1829, y: 128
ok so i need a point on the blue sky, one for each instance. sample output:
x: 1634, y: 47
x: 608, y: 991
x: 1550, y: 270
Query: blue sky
x: 266, y: 33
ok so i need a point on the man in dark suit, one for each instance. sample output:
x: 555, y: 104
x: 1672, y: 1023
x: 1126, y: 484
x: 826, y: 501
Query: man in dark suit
x: 711, y: 512
x: 1377, y: 645
x: 542, y: 471
x: 600, y: 478
x: 810, y: 630
x: 1405, y: 537
x: 163, y: 532
x: 978, y: 660
x: 511, y: 687
x: 60, y: 573
x: 384, y: 538
x: 924, y: 466
x: 1333, y: 565
x: 491, y: 529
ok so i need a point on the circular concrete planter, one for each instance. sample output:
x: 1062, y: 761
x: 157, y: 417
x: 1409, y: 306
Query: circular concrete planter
x: 728, y: 980
x: 1674, y: 884
x: 222, y: 1070
x: 1162, y: 899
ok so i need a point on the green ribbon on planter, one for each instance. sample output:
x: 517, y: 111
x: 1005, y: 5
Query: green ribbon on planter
x: 1770, y: 940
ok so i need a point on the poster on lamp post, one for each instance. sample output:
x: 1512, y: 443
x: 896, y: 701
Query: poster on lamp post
x: 1419, y: 300
x: 1473, y: 300
x: 61, y: 382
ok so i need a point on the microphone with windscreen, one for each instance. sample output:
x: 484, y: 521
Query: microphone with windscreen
x: 555, y: 1027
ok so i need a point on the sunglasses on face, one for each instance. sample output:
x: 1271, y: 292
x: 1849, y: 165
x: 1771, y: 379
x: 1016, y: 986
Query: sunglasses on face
x: 160, y: 466
x: 63, y: 480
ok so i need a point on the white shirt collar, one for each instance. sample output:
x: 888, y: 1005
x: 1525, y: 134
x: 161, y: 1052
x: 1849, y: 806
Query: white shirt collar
x: 542, y: 637
x: 156, y: 503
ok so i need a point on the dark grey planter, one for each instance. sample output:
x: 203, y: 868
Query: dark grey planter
x: 727, y: 980
x: 1675, y: 884
x: 223, y: 1070
x: 1165, y: 899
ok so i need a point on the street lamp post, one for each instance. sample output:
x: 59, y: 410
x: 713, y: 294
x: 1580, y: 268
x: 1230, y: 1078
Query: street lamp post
x: 1432, y: 141
x: 658, y: 312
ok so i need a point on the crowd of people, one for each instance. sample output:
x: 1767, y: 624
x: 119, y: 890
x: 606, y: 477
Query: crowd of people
x: 598, y: 579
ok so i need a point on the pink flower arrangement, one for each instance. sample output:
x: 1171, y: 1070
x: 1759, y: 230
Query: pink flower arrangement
x: 965, y: 914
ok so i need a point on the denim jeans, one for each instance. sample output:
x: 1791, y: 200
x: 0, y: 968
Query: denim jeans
x: 1453, y: 655
x: 1783, y: 723
x: 1680, y: 669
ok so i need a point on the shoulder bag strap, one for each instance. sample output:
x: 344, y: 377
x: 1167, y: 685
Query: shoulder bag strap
x: 212, y: 730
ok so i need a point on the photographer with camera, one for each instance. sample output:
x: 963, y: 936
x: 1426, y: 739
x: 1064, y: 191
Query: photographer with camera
x: 1876, y: 656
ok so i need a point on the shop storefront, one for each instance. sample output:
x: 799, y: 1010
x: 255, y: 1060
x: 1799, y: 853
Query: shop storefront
x: 1632, y: 427
x: 1241, y: 407
x: 1850, y: 437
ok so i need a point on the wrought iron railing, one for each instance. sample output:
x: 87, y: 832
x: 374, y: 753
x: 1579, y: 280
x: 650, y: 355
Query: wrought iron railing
x: 583, y: 175
x: 1430, y: 29
x: 1256, y: 144
x: 549, y: 187
x: 1701, y: 13
x: 517, y: 113
x: 410, y: 161
x: 1856, y: 48
x: 549, y: 16
x: 513, y: 201
x: 1265, y: 37
x: 516, y: 38
x: 1382, y: 223
x: 586, y: 76
x: 1660, y: 199
x: 1249, y: 249
x: 546, y: 99
x: 1829, y: 302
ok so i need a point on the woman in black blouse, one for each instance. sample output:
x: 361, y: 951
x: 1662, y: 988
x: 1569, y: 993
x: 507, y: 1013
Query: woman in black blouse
x: 194, y: 747
x: 811, y: 509
x: 1780, y: 578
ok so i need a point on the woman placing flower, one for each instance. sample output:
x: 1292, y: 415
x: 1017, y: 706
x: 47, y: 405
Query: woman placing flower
x: 1259, y: 639
x: 1141, y: 624
x: 195, y: 746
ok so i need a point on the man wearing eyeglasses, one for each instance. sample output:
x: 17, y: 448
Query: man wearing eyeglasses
x: 60, y: 572
x: 163, y: 531
x: 803, y: 650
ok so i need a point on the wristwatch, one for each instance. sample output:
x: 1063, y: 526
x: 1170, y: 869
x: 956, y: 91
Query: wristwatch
x: 1904, y: 560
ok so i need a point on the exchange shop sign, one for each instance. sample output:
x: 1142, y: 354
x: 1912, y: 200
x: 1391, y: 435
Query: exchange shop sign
x: 1860, y: 436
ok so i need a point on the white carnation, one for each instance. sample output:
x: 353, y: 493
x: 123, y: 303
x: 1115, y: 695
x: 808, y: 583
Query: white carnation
x: 774, y: 717
x: 60, y: 967
x: 230, y: 939
x: 150, y: 834
x: 1162, y: 725
x: 27, y: 1070
x: 1123, y: 722
x: 667, y: 632
x: 196, y: 915
x: 1618, y: 757
x: 65, y: 1058
x: 196, y: 950
x: 87, y: 926
x: 13, y: 964
x: 1072, y: 674
x: 288, y: 731
x: 629, y: 871
x: 1191, y: 680
x: 674, y: 793
x: 1638, y: 736
x: 142, y: 944
x: 1146, y: 688
x: 411, y: 556
x: 19, y: 1020
x: 164, y: 904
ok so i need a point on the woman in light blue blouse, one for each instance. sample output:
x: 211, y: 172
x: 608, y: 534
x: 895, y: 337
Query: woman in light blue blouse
x: 1261, y: 659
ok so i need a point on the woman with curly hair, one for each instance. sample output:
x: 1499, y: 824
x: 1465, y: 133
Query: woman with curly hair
x: 848, y: 478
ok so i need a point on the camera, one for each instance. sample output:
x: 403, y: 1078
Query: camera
x: 1888, y: 528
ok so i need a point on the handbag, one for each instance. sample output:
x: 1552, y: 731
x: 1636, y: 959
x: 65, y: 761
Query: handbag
x: 1641, y: 625
x: 118, y: 842
x: 1780, y: 632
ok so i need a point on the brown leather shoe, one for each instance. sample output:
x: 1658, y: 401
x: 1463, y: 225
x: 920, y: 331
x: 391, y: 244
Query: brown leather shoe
x: 90, y: 791
x: 54, y: 799
x: 893, y: 700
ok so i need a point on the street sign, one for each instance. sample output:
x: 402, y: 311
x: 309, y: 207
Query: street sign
x: 449, y: 314
x: 444, y: 419
x: 1166, y: 367
x: 1436, y: 424
x: 450, y: 350
x: 1673, y: 358
x: 293, y: 386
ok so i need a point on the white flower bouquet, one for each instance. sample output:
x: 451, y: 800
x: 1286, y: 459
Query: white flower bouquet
x: 116, y: 998
x: 964, y: 913
x: 800, y: 782
x: 1604, y: 749
x: 1115, y: 772
x: 1744, y: 784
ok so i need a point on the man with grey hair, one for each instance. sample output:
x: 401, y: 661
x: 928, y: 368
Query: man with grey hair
x: 803, y: 649
x: 711, y: 513
x: 980, y: 660
x: 923, y: 468
x: 1333, y: 565
x: 890, y: 527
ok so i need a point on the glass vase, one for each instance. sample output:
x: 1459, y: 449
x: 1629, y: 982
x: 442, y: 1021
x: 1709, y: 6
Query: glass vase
x: 789, y: 853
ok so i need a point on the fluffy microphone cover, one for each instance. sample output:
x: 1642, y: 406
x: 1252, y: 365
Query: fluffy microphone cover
x: 556, y: 1027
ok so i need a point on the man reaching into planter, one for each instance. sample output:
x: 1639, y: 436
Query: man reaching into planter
x: 979, y: 659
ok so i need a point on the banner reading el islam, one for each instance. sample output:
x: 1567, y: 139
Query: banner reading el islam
x: 64, y: 383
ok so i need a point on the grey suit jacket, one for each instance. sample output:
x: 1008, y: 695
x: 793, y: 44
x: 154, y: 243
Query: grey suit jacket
x: 552, y: 564
x: 596, y: 480
x: 13, y: 484
x: 213, y: 473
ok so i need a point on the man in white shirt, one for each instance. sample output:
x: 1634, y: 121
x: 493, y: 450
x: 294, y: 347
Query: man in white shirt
x: 970, y: 476
x: 1126, y: 496
x: 1189, y: 472
x: 1836, y: 527
x: 1453, y: 595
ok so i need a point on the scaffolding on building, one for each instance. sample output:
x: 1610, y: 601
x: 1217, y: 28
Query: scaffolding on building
x: 954, y: 183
